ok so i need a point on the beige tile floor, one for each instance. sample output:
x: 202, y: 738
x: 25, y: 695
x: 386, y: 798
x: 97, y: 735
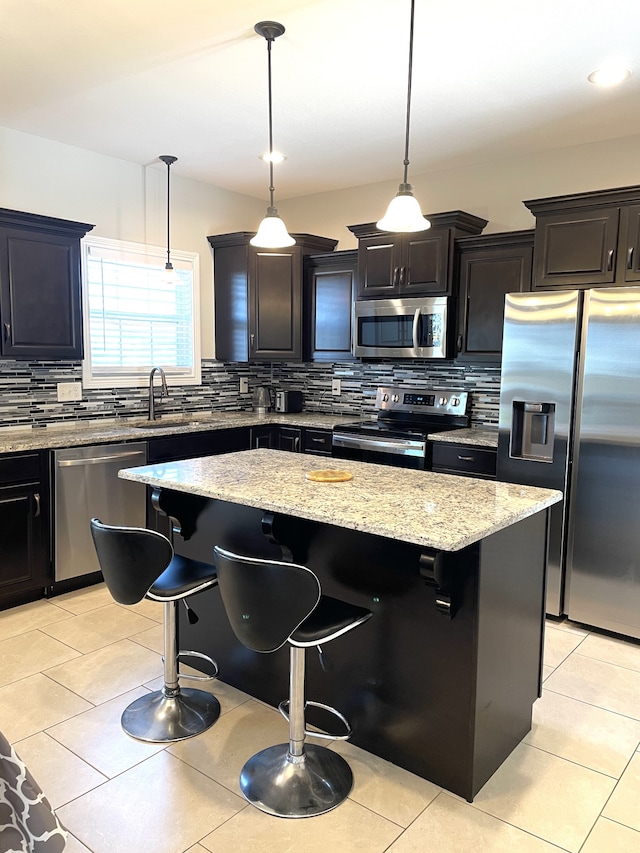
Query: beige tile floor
x: 69, y: 666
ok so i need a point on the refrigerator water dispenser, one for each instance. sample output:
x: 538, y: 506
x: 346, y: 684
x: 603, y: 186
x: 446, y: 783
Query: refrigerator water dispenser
x: 532, y: 431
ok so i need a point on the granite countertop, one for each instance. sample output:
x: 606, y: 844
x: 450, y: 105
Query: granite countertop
x: 76, y: 433
x: 473, y: 436
x: 439, y: 511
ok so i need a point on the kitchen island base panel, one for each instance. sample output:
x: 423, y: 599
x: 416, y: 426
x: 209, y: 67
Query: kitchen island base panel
x: 445, y: 695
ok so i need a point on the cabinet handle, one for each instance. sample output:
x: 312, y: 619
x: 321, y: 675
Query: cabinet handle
x: 317, y: 440
x: 7, y: 331
x: 296, y: 444
x: 396, y: 270
x: 630, y: 258
x: 252, y: 338
x: 36, y: 497
x: 459, y: 343
x: 610, y: 260
x: 465, y: 458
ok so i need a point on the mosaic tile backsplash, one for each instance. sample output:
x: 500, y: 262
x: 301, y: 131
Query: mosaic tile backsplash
x: 28, y: 393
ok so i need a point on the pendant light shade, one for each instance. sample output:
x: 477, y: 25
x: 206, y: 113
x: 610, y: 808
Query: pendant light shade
x: 170, y: 275
x: 403, y: 213
x: 272, y: 232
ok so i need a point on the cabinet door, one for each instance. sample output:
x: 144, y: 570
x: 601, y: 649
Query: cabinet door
x: 329, y: 295
x: 40, y: 295
x: 486, y: 276
x: 275, y: 304
x: 289, y: 438
x: 573, y: 249
x: 23, y: 557
x: 379, y: 262
x: 265, y: 436
x: 629, y: 249
x: 426, y: 263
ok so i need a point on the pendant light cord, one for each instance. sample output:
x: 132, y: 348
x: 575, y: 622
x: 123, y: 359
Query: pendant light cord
x: 271, y: 186
x: 168, y: 159
x: 406, y: 142
x: 168, y: 217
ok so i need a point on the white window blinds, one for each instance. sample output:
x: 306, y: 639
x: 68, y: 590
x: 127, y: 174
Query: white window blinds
x: 135, y: 316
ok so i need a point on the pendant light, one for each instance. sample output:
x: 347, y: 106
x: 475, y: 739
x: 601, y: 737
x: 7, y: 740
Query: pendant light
x: 403, y: 213
x: 272, y: 232
x: 170, y: 274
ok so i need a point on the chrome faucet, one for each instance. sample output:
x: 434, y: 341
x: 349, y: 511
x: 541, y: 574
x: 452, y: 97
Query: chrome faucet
x: 164, y: 391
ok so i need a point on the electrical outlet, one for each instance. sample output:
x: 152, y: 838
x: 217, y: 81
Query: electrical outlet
x: 336, y: 387
x: 69, y: 391
x: 244, y: 385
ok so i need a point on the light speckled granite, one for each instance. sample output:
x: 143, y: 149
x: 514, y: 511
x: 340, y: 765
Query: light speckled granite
x: 76, y: 433
x: 477, y: 437
x: 435, y: 510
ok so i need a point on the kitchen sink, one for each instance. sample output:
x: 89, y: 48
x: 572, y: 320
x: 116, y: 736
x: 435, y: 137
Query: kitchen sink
x: 163, y: 424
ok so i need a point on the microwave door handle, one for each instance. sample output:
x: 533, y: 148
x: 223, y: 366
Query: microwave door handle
x: 416, y: 321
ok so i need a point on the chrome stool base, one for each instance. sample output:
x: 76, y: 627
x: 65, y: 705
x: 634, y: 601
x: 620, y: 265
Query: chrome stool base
x: 283, y: 785
x: 157, y: 718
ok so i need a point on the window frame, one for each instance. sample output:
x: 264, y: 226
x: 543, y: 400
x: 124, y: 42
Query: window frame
x: 132, y: 377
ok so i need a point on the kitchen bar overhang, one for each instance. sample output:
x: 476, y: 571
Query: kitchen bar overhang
x: 441, y: 681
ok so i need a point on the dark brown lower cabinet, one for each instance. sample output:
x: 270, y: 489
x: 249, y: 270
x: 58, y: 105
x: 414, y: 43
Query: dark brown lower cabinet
x: 464, y: 459
x: 24, y: 519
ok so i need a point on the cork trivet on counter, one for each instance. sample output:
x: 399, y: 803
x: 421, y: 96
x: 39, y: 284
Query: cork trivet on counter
x: 329, y: 475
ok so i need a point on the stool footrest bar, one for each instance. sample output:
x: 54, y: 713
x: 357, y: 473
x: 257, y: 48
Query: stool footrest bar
x: 283, y: 707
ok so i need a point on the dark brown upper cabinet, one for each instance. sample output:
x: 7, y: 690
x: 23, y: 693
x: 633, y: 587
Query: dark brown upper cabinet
x: 40, y: 286
x: 417, y: 264
x: 329, y: 291
x: 258, y: 297
x: 490, y: 266
x: 587, y: 239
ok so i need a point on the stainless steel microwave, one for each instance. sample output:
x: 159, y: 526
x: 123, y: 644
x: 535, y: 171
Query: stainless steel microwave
x: 401, y: 328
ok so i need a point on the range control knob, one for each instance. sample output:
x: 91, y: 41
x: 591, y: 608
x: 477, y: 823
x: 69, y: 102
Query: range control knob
x: 455, y: 401
x: 395, y: 398
x: 385, y: 398
x: 442, y: 401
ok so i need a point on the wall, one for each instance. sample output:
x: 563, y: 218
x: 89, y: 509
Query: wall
x: 28, y: 394
x: 123, y: 201
x: 495, y: 191
x: 128, y: 202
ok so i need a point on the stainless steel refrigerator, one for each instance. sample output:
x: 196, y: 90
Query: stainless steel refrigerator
x: 570, y: 419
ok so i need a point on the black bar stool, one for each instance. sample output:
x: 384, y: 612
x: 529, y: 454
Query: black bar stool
x: 270, y: 603
x: 137, y: 563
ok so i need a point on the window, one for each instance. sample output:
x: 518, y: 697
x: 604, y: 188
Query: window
x: 135, y: 318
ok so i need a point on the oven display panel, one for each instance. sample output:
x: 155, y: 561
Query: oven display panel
x: 419, y: 399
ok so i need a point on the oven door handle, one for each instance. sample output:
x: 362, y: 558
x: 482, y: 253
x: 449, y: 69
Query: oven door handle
x: 416, y: 321
x: 399, y: 446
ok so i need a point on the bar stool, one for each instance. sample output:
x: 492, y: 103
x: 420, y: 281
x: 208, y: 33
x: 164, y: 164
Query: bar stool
x: 270, y: 603
x: 138, y: 563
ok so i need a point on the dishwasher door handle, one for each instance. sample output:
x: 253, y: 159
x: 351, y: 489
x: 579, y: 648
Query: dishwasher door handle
x: 96, y: 460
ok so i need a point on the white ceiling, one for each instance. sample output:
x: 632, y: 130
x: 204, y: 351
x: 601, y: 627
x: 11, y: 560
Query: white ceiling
x: 133, y: 79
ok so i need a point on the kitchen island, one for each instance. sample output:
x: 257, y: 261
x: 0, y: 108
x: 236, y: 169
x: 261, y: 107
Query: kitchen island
x: 442, y: 679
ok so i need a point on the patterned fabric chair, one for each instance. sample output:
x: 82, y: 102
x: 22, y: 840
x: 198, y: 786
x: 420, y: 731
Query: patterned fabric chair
x: 27, y: 821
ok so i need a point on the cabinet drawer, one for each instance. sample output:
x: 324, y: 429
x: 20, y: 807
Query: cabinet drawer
x: 317, y: 441
x: 20, y: 468
x: 464, y: 459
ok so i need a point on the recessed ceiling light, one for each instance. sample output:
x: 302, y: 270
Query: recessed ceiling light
x: 609, y: 76
x: 273, y: 157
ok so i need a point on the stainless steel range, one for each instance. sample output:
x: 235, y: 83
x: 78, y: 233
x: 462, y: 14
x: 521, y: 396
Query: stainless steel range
x: 398, y: 437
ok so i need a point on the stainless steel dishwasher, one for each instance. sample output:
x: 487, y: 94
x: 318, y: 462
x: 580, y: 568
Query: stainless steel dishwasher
x: 86, y: 484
